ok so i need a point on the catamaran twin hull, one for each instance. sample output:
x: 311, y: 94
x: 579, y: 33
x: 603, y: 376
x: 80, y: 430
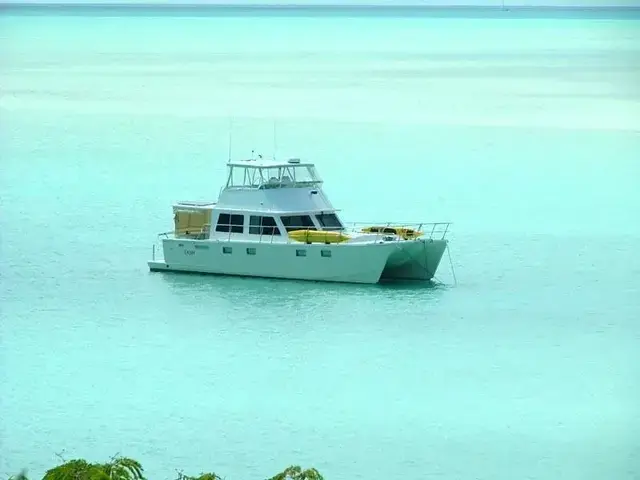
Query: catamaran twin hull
x: 357, y: 262
x: 274, y: 219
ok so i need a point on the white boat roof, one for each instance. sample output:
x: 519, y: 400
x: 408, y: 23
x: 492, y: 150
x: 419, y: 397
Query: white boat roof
x: 266, y: 163
x: 192, y: 203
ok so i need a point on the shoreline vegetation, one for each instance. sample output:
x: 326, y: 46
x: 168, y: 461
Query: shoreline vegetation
x: 124, y: 468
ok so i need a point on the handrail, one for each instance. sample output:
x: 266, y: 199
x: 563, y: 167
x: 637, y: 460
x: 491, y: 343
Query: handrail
x: 429, y: 230
x: 189, y: 232
x: 272, y: 186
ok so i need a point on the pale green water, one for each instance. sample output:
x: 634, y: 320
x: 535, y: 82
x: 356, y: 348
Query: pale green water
x: 524, y: 133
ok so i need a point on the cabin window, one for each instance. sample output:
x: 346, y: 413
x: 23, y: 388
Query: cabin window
x: 251, y: 251
x: 263, y: 226
x: 325, y: 253
x: 227, y: 250
x: 297, y: 222
x: 202, y: 247
x: 301, y: 253
x: 230, y: 223
x: 329, y: 221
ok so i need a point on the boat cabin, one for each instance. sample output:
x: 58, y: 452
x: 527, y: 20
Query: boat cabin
x: 261, y: 199
x: 195, y: 222
x: 256, y: 223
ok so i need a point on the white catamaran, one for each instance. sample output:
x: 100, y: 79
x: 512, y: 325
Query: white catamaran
x: 273, y: 219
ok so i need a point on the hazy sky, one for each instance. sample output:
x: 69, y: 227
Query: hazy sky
x: 626, y: 3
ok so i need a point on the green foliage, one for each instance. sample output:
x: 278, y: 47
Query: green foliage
x: 123, y: 468
x: 119, y: 468
x: 295, y: 472
x: 76, y: 470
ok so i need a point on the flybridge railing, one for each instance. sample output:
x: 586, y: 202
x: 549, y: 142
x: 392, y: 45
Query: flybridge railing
x: 389, y: 231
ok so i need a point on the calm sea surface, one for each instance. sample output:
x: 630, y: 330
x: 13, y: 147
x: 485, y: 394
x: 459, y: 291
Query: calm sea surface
x: 524, y: 131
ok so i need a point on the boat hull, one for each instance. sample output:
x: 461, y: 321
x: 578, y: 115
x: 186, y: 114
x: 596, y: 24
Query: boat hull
x: 415, y: 260
x: 365, y: 263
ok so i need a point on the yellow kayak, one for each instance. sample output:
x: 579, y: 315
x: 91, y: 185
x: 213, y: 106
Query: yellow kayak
x: 318, y: 236
x: 402, y: 232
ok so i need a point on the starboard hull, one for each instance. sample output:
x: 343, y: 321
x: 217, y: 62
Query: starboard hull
x: 417, y: 260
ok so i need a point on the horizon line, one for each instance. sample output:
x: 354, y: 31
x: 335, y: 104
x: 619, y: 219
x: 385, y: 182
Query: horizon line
x: 315, y: 5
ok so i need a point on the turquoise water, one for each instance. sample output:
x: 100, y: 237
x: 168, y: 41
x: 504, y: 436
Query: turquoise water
x: 524, y: 133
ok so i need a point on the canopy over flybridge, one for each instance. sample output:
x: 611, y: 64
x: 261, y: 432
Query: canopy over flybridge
x: 264, y: 174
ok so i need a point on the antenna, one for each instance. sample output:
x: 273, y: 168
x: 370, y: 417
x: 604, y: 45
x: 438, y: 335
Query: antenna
x: 230, y: 124
x: 275, y: 142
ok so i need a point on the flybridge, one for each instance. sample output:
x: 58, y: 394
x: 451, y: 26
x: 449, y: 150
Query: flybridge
x: 261, y: 174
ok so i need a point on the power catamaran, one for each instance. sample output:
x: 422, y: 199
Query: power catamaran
x: 272, y: 219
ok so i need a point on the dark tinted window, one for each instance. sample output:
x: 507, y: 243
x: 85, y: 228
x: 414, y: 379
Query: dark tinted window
x: 329, y: 221
x: 263, y: 226
x: 298, y: 222
x: 224, y: 219
x: 230, y: 223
